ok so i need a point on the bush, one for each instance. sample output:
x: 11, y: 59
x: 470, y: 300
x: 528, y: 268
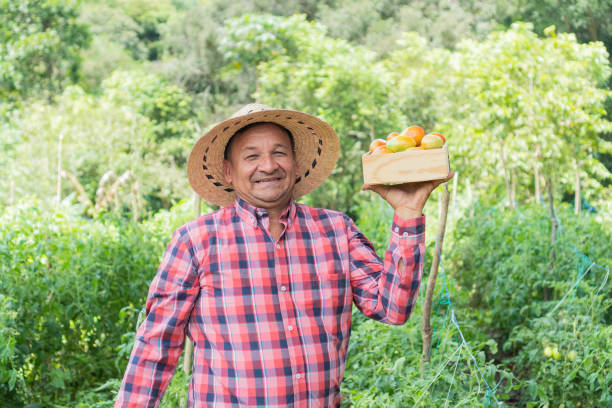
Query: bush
x: 501, y: 262
x: 69, y: 289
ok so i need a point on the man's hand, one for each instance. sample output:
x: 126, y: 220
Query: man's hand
x: 407, y: 199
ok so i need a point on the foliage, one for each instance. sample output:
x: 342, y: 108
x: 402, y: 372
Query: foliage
x: 300, y: 68
x: 501, y: 261
x: 586, y: 18
x: 40, y: 43
x: 139, y: 127
x: 514, y: 102
x: 443, y: 23
x: 533, y: 103
x: 64, y: 315
x: 565, y: 358
x: 383, y: 368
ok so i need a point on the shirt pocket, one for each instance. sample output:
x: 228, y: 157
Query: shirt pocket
x: 335, y: 293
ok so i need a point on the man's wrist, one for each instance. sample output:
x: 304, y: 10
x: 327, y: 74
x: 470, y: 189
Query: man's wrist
x: 407, y: 213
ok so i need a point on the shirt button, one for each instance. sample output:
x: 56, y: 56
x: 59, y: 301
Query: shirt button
x: 298, y: 376
x: 396, y: 229
x: 277, y: 246
x: 283, y: 288
x: 290, y: 327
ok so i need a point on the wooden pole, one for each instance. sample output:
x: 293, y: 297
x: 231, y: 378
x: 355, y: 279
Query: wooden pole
x: 577, y: 201
x: 188, y: 361
x: 454, y: 200
x: 536, y: 166
x: 59, y: 170
x: 431, y: 282
x: 553, y: 231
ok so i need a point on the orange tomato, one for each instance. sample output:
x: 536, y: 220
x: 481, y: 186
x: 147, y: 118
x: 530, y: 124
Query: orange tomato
x: 415, y: 132
x: 392, y: 135
x: 439, y: 134
x: 377, y: 143
x: 381, y: 150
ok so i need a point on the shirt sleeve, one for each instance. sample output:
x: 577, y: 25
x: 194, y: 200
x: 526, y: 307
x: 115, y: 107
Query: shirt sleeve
x: 159, y: 339
x: 386, y: 290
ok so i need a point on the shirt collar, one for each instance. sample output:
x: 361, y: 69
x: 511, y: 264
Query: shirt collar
x: 251, y: 214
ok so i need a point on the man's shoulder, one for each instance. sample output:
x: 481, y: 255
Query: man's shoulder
x: 205, y: 222
x: 316, y: 213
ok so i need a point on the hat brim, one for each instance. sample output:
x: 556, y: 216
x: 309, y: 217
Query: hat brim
x: 316, y: 146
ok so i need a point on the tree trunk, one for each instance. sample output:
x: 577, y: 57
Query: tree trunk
x: 506, y: 174
x: 592, y: 26
x: 431, y: 283
x: 513, y: 196
x: 577, y: 202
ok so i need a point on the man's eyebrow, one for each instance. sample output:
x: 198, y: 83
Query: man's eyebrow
x: 277, y: 145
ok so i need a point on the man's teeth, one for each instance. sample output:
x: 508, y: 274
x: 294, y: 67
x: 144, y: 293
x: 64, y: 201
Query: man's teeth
x: 267, y: 180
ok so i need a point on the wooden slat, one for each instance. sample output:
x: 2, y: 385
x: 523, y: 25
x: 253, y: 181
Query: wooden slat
x: 406, y: 166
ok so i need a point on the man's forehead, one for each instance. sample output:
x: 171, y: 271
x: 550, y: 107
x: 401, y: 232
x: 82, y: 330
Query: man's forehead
x: 261, y: 133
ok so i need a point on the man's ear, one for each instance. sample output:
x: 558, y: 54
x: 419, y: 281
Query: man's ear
x: 227, y: 171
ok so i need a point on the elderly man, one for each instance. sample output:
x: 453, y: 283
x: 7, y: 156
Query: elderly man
x: 264, y: 286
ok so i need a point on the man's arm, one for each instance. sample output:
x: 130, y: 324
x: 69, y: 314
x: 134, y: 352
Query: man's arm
x: 387, y: 292
x: 159, y: 339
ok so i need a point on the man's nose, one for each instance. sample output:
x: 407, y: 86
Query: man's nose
x: 267, y: 163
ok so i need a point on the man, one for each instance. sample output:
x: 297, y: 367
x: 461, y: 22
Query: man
x: 264, y: 286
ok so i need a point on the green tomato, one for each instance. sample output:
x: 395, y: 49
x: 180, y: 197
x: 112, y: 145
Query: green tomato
x: 556, y: 355
x: 571, y: 355
x: 548, y: 351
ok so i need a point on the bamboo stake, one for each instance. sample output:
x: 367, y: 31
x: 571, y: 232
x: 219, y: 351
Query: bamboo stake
x: 553, y: 232
x: 188, y: 361
x: 59, y: 170
x: 577, y: 201
x: 431, y: 282
x: 454, y: 200
x: 536, y: 166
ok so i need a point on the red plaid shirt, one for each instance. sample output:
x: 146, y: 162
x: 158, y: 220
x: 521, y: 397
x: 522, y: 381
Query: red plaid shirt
x: 270, y: 321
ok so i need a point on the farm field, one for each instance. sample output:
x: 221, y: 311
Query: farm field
x: 101, y: 103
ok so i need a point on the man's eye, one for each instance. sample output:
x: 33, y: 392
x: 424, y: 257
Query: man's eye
x: 279, y: 153
x: 251, y: 157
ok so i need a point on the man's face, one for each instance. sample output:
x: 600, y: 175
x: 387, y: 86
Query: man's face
x: 261, y: 166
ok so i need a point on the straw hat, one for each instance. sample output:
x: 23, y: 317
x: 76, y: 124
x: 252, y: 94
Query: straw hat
x: 316, y: 148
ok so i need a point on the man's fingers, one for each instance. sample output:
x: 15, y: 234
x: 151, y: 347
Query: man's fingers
x: 444, y: 180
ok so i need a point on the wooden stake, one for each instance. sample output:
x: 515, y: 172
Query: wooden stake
x: 553, y: 232
x: 455, y: 177
x: 577, y: 201
x: 553, y: 220
x: 188, y: 361
x: 506, y: 174
x: 431, y: 282
x: 59, y: 170
x: 536, y: 167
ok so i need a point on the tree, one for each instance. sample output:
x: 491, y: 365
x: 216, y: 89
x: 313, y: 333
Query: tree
x: 40, y: 42
x: 299, y: 67
x: 531, y: 102
x: 120, y: 150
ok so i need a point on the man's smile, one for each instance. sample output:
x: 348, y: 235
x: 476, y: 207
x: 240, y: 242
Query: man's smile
x: 269, y: 180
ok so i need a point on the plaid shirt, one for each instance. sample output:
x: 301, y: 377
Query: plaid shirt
x: 270, y: 320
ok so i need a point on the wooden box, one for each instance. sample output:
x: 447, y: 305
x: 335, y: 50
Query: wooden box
x: 406, y: 166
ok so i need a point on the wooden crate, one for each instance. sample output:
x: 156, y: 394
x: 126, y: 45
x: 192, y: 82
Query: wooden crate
x: 406, y: 166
